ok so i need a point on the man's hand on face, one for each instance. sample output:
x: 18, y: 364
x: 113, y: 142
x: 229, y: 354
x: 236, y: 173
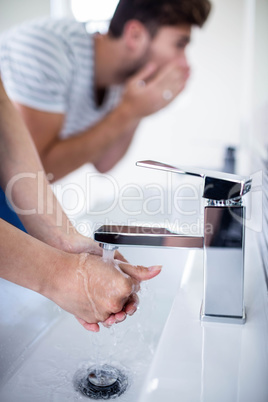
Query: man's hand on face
x: 152, y: 89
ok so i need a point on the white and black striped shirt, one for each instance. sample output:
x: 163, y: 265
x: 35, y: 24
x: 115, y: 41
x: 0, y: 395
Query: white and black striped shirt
x: 49, y: 65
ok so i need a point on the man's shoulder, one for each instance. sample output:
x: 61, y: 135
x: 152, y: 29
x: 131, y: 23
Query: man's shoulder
x: 50, y: 28
x: 58, y: 39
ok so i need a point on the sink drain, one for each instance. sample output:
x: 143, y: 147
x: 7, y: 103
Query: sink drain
x: 101, y: 382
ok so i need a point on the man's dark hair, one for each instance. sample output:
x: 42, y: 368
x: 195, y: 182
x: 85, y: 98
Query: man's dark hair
x: 156, y: 13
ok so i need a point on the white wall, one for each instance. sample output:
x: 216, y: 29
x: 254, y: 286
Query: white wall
x: 14, y: 12
x: 207, y: 117
x: 261, y: 54
x: 195, y: 129
x: 258, y: 133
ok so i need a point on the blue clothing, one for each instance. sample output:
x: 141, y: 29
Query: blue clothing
x: 8, y: 214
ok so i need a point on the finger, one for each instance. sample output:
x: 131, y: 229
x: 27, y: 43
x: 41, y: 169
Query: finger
x: 120, y: 317
x: 132, y: 304
x: 171, y: 73
x: 170, y: 84
x: 89, y: 327
x: 109, y: 321
x: 139, y: 272
x: 115, y: 319
x: 129, y: 309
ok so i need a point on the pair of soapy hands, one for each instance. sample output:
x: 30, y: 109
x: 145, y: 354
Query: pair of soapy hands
x: 93, y: 289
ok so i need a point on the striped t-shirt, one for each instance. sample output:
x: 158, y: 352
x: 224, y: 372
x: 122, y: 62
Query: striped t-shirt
x: 48, y: 65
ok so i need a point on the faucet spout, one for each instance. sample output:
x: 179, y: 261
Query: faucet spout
x: 145, y: 236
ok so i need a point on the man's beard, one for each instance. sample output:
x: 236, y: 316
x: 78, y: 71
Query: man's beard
x: 125, y: 73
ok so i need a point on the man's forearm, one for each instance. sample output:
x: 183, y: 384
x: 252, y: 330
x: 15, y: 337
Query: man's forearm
x: 116, y: 152
x: 92, y: 145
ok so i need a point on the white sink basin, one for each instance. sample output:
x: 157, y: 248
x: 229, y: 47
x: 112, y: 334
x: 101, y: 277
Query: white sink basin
x: 50, y: 352
x: 165, y: 350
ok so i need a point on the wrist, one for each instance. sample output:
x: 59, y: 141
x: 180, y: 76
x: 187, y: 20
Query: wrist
x: 57, y: 275
x: 44, y: 227
x: 127, y: 115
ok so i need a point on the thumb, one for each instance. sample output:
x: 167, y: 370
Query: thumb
x: 139, y: 272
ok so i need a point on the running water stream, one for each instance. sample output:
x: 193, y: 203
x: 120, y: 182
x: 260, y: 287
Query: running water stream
x: 103, y: 380
x: 108, y: 254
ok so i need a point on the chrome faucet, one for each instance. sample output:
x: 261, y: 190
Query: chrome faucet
x: 223, y: 241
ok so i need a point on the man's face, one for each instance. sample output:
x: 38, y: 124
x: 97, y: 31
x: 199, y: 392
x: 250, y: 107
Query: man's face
x: 169, y: 44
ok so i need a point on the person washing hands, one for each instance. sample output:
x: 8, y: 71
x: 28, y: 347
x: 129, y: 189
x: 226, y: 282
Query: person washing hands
x: 53, y: 259
x: 83, y: 95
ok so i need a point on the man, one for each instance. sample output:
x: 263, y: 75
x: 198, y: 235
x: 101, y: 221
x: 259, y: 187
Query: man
x: 84, y: 284
x: 82, y: 96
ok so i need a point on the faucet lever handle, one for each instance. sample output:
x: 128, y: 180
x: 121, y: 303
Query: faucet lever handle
x: 217, y: 185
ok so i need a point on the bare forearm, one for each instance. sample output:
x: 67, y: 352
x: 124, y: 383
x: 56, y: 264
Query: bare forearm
x: 92, y: 145
x: 25, y: 260
x: 21, y: 172
x: 116, y: 152
x: 34, y: 202
x: 17, y: 152
x: 23, y: 179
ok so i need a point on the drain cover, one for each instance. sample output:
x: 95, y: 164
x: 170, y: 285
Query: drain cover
x: 101, y: 382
